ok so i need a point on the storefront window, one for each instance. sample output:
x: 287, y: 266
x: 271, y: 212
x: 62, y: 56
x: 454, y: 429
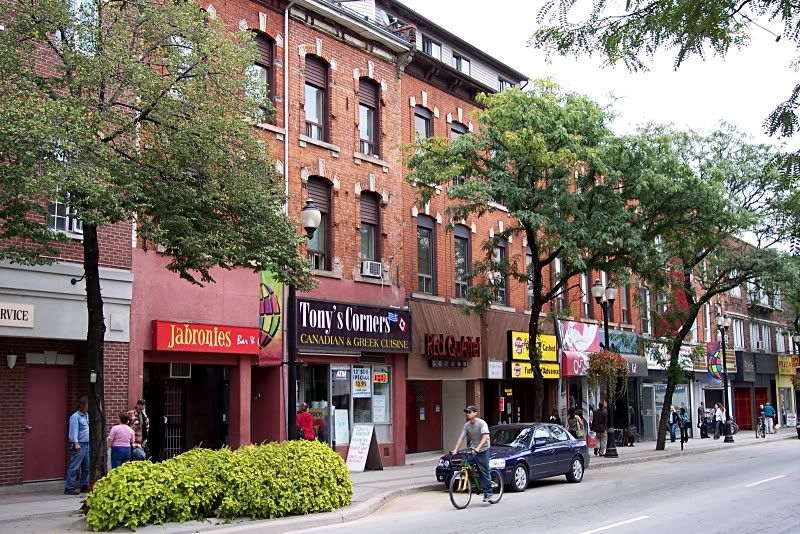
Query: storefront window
x: 382, y: 403
x: 362, y: 394
x: 340, y: 398
x: 314, y: 392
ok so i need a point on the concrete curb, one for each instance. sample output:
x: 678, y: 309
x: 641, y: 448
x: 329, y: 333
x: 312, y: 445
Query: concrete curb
x: 290, y: 524
x: 679, y: 453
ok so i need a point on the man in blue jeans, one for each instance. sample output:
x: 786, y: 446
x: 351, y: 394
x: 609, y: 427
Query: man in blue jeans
x: 476, y: 435
x: 78, y: 435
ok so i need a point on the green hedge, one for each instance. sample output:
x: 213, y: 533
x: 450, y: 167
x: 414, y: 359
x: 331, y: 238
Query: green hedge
x: 258, y: 481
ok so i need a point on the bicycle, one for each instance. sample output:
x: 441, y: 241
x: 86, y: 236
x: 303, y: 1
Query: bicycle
x: 761, y: 428
x: 464, y: 479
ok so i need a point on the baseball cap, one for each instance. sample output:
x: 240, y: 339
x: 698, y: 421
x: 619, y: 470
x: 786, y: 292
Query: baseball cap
x: 471, y: 408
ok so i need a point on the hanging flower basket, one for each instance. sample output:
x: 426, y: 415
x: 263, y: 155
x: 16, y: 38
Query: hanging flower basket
x: 609, y: 371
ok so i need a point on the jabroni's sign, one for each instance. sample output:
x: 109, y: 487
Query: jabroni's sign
x: 324, y: 326
x: 193, y: 337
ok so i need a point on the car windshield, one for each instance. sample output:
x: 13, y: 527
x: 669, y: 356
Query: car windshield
x: 519, y: 438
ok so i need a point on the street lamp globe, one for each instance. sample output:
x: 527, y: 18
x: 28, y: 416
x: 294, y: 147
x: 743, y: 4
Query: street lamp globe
x: 597, y: 290
x: 310, y: 218
x: 720, y: 320
x: 611, y: 293
x: 726, y: 322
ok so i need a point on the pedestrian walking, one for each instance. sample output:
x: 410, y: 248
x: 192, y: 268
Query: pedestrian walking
x: 140, y: 423
x: 769, y: 418
x: 600, y: 427
x: 673, y: 423
x: 683, y: 424
x: 575, y: 424
x: 554, y: 418
x: 701, y: 421
x: 78, y: 435
x: 305, y: 423
x: 120, y: 440
x: 719, y: 418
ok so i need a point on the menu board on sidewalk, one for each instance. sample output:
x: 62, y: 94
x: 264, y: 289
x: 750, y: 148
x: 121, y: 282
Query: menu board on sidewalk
x: 363, y: 452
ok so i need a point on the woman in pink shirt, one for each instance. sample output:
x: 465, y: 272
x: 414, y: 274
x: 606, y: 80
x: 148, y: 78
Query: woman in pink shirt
x: 120, y: 439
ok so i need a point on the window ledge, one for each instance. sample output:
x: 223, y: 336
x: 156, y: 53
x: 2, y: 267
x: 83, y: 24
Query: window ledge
x: 425, y: 296
x: 326, y: 274
x: 359, y: 157
x: 370, y: 280
x: 70, y: 235
x: 277, y: 130
x: 497, y: 206
x: 462, y: 302
x: 305, y: 141
x: 498, y: 307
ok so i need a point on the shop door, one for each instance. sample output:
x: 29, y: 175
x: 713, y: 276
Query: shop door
x: 427, y: 415
x: 761, y: 397
x: 46, y: 417
x: 174, y: 427
x: 742, y: 402
x: 648, y: 412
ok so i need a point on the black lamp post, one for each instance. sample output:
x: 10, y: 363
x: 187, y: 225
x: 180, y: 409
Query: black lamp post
x: 310, y: 217
x: 605, y: 297
x: 723, y: 323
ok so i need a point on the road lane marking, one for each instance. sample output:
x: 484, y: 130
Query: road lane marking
x: 763, y: 481
x: 615, y: 525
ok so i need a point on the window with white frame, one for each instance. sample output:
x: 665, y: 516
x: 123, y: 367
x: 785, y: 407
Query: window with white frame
x: 646, y: 312
x: 736, y: 292
x: 707, y: 322
x: 737, y: 330
x: 760, y: 338
x: 561, y: 297
x: 62, y: 218
x: 694, y: 331
x: 780, y: 340
x: 586, y: 304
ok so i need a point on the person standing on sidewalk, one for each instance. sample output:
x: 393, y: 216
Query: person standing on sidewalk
x: 140, y: 423
x: 683, y: 424
x: 673, y: 423
x: 719, y: 416
x: 120, y: 440
x: 769, y: 418
x: 476, y: 436
x: 701, y: 421
x: 305, y: 423
x: 78, y: 435
x: 600, y: 427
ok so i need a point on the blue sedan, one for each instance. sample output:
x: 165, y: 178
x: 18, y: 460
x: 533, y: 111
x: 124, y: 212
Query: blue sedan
x: 527, y: 451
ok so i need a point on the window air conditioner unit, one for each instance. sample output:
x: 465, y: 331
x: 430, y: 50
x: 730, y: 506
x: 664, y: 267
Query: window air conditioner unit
x: 373, y: 269
x: 760, y: 346
x: 180, y: 370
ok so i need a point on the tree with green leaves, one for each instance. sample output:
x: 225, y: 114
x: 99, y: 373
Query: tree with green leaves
x: 739, y: 226
x: 632, y: 33
x: 136, y: 111
x: 571, y: 188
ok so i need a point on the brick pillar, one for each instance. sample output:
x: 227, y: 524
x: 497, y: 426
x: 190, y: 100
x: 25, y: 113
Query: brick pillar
x: 239, y: 426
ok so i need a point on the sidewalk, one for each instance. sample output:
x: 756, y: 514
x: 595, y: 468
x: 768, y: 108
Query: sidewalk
x: 54, y: 512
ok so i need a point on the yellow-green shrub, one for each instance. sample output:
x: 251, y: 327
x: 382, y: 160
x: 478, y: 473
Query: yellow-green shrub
x: 258, y: 481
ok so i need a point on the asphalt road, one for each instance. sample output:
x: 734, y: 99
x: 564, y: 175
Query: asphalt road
x: 743, y: 490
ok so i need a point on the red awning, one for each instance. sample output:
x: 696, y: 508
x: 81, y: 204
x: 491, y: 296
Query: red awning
x: 574, y: 363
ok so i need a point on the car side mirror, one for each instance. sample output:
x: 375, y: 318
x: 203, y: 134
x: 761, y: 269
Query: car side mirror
x: 541, y: 442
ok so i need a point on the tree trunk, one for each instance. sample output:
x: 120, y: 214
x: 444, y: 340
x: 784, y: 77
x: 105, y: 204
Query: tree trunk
x: 661, y: 438
x: 95, y: 338
x: 536, y: 358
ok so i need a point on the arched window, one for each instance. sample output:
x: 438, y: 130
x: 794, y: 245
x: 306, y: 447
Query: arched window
x: 457, y: 130
x: 463, y: 259
x: 423, y: 123
x: 316, y: 99
x: 369, y: 119
x: 319, y: 247
x: 370, y: 227
x: 501, y: 285
x: 426, y: 255
x: 261, y: 73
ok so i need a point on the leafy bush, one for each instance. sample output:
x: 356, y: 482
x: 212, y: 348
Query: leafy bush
x: 258, y: 481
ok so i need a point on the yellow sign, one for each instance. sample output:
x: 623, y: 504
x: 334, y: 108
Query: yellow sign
x: 787, y: 365
x: 518, y: 344
x: 525, y: 370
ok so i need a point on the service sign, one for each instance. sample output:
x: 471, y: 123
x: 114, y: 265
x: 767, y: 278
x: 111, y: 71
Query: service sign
x: 192, y: 337
x: 16, y: 315
x: 333, y: 327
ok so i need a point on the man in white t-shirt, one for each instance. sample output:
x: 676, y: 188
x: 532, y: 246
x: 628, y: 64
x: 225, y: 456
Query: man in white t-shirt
x: 476, y: 436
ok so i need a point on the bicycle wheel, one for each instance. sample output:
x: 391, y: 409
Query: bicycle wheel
x: 460, y: 490
x: 497, y: 486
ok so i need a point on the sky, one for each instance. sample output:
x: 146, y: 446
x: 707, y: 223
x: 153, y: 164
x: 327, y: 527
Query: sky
x: 742, y: 88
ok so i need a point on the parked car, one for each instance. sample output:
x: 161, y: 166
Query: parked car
x: 527, y: 451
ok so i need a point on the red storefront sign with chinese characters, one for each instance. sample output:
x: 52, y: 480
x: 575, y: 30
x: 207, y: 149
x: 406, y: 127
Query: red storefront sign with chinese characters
x: 191, y: 337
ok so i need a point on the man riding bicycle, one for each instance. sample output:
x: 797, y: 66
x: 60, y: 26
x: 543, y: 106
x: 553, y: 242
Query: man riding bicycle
x: 476, y: 435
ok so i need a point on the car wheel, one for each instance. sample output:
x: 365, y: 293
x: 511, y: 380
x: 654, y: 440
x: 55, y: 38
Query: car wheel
x: 520, y: 478
x: 575, y: 473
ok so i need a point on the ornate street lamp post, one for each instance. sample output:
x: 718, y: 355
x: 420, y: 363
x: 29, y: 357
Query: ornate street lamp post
x: 605, y: 297
x: 310, y: 218
x: 723, y: 323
